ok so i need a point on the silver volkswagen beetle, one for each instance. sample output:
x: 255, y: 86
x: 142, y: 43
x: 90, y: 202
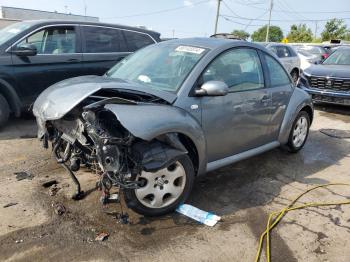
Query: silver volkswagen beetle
x: 170, y: 112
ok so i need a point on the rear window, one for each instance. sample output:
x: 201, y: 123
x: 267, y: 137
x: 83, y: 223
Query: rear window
x: 103, y: 40
x: 136, y: 40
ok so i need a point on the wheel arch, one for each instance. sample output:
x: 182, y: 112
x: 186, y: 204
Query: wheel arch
x: 11, y: 96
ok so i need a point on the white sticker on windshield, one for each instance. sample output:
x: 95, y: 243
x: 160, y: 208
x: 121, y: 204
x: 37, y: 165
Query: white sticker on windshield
x: 190, y: 49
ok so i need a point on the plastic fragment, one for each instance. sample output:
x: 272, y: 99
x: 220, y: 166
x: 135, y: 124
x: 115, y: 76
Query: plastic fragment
x: 102, y: 236
x: 201, y: 216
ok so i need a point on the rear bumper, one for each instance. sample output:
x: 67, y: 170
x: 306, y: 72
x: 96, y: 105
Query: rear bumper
x: 327, y: 96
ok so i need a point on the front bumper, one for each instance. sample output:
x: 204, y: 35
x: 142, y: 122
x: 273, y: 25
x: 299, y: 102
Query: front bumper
x: 327, y: 96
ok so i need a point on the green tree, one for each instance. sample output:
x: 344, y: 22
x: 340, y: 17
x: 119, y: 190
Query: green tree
x: 275, y: 34
x: 299, y: 34
x: 334, y: 29
x: 241, y: 34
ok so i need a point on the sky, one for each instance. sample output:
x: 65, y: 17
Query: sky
x: 188, y: 18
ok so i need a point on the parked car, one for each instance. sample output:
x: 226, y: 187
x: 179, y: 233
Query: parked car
x: 37, y: 54
x: 307, y: 59
x: 317, y: 50
x: 171, y: 112
x: 329, y: 81
x: 288, y: 57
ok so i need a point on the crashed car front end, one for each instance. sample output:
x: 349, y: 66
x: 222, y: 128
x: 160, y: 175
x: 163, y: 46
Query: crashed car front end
x: 90, y: 127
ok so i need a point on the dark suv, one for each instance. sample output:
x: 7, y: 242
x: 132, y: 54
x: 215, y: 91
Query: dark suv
x: 37, y: 54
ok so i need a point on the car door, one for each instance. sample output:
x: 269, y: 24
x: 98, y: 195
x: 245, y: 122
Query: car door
x: 58, y: 57
x: 285, y: 56
x: 280, y: 89
x: 238, y: 121
x: 103, y: 47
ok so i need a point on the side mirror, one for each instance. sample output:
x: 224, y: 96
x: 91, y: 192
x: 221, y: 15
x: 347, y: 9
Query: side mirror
x: 25, y: 50
x: 212, y: 88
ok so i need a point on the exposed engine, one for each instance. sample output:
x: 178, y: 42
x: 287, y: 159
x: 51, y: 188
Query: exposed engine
x: 92, y: 136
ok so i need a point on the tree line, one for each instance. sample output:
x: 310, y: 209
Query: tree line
x: 334, y: 29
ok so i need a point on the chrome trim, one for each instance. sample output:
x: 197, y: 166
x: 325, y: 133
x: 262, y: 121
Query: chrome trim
x: 327, y: 77
x: 36, y: 30
x: 75, y: 25
x: 110, y: 27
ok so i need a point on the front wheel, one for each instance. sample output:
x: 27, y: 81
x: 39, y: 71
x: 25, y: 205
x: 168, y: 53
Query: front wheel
x: 299, y: 132
x: 162, y: 191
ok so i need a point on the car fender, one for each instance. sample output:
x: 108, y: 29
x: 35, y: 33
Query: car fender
x: 299, y: 99
x: 148, y: 121
x: 11, y: 96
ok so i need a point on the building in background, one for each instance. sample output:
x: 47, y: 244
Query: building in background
x: 10, y: 15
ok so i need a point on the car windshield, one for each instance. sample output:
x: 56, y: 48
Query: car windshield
x: 339, y: 57
x: 315, y: 50
x: 12, y: 30
x: 160, y: 67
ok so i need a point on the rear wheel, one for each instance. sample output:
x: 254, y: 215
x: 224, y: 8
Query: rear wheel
x: 4, y: 110
x: 299, y: 132
x: 162, y: 191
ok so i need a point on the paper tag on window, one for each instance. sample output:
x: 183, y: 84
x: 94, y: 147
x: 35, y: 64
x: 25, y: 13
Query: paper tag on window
x: 189, y: 49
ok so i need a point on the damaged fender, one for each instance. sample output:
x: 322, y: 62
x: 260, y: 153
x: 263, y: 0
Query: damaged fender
x: 148, y: 121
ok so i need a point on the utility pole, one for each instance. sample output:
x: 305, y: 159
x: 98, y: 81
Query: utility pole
x: 315, y: 29
x: 217, y: 16
x: 173, y: 33
x: 268, y: 27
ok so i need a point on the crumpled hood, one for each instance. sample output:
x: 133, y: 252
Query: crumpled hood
x: 62, y: 97
x: 341, y: 71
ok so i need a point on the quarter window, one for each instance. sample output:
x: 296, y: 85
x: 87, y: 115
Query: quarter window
x: 278, y: 76
x: 103, y: 40
x: 282, y: 51
x: 240, y: 69
x: 137, y: 40
x: 53, y: 40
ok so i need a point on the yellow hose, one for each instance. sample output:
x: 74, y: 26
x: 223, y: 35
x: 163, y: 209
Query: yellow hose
x: 277, y: 216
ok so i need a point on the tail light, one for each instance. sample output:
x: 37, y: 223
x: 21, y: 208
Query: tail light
x: 325, y: 55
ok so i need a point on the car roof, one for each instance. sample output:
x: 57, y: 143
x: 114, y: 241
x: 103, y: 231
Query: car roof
x: 212, y: 42
x: 54, y: 21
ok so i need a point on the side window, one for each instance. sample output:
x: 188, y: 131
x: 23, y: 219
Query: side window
x: 282, y: 51
x: 277, y: 74
x: 103, y: 40
x: 136, y: 40
x: 53, y: 40
x: 239, y: 68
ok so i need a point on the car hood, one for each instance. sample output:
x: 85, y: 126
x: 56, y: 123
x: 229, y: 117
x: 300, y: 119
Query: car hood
x: 342, y: 71
x: 62, y: 97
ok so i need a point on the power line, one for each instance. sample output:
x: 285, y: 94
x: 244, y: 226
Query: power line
x: 283, y: 20
x: 288, y: 11
x: 159, y: 11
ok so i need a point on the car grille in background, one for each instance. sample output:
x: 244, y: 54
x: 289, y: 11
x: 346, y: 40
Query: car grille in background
x: 334, y: 84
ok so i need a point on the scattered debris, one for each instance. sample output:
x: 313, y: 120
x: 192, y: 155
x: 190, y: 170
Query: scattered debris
x: 102, y: 236
x: 123, y: 218
x: 336, y: 133
x: 19, y: 241
x: 49, y: 183
x: 23, y: 175
x: 114, y: 197
x: 201, y: 216
x: 53, y: 190
x: 59, y: 208
x: 319, y: 250
x: 10, y: 204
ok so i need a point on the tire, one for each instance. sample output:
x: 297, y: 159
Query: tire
x: 144, y: 202
x: 4, y: 111
x: 295, y: 76
x: 302, y: 121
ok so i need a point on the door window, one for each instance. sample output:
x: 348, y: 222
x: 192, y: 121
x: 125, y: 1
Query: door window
x: 53, y: 40
x: 239, y: 68
x: 278, y: 75
x: 103, y: 40
x: 137, y: 40
x: 282, y: 51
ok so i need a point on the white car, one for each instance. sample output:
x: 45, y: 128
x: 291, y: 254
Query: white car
x: 288, y: 57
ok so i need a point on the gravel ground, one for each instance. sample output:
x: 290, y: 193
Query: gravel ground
x: 243, y: 194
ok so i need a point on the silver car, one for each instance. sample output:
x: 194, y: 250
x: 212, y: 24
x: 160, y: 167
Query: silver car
x: 170, y: 112
x: 289, y: 58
